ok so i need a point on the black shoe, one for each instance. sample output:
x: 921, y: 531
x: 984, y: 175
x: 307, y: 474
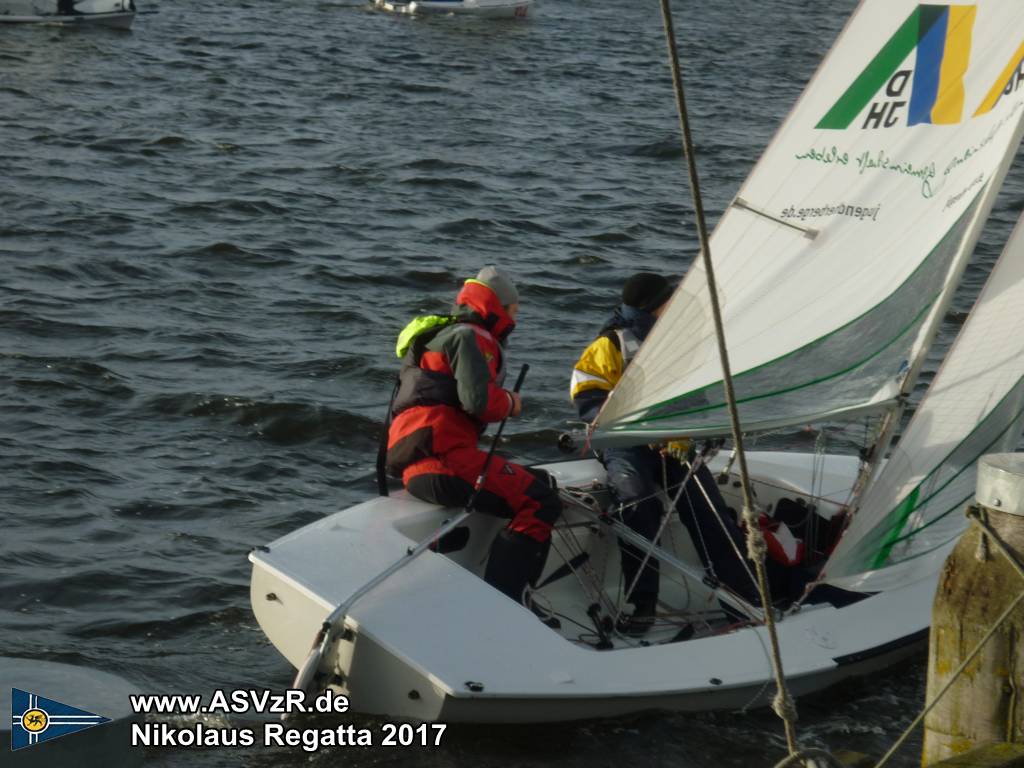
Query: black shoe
x: 639, y: 623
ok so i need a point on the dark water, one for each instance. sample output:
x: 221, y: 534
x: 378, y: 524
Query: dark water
x: 211, y: 229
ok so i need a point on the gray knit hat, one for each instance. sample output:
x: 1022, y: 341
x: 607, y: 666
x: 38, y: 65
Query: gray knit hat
x: 500, y: 283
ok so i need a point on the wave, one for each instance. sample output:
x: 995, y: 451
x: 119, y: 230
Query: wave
x: 166, y: 628
x: 281, y: 423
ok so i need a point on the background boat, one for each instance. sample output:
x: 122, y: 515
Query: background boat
x: 496, y: 9
x: 108, y: 13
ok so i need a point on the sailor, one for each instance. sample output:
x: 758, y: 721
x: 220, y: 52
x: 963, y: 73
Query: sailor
x: 636, y: 473
x: 450, y: 388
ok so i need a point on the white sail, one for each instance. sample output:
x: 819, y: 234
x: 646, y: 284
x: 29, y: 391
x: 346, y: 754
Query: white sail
x: 832, y: 260
x: 913, y: 512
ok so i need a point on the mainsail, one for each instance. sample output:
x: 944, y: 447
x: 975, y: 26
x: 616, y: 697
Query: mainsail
x: 838, y: 255
x: 912, y: 513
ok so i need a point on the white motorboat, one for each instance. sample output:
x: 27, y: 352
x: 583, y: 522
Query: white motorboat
x: 838, y: 260
x: 109, y: 13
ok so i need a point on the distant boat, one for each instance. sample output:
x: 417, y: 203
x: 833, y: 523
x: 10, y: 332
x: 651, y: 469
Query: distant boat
x: 501, y: 9
x: 107, y: 13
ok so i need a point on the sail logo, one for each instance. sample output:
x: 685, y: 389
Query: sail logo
x: 1009, y: 80
x: 931, y: 92
x: 35, y: 719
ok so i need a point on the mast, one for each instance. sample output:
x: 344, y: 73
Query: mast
x: 756, y: 547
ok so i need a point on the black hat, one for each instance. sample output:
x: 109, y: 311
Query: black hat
x: 646, y: 291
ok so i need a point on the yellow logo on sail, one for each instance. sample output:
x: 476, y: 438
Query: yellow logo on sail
x: 1009, y: 80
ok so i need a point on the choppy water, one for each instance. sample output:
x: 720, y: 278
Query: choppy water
x: 210, y: 230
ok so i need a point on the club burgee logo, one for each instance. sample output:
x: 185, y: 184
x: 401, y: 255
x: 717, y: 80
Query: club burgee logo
x: 35, y: 719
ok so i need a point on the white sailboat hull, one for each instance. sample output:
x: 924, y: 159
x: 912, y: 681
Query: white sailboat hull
x: 118, y: 14
x: 502, y: 9
x: 436, y: 643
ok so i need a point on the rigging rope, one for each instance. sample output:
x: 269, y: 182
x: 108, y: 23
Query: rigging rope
x: 588, y: 580
x: 588, y: 506
x: 756, y: 546
x: 691, y: 469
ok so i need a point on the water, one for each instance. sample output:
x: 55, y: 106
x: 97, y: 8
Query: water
x: 211, y: 229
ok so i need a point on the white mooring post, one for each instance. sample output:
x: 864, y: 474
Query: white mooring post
x: 979, y: 587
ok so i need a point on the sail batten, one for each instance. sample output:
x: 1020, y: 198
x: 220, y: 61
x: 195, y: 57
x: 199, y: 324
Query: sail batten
x: 840, y: 249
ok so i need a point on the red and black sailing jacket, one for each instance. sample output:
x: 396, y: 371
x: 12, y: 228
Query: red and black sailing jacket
x: 450, y: 382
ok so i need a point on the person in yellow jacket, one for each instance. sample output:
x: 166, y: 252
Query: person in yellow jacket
x: 636, y: 473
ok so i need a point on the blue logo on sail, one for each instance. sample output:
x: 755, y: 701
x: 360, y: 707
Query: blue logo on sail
x: 35, y: 719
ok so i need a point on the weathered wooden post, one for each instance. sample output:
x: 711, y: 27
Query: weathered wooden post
x: 977, y: 586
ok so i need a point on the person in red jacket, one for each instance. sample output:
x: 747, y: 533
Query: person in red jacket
x: 450, y: 388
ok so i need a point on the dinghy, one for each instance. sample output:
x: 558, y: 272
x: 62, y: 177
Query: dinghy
x: 108, y: 13
x: 836, y: 263
x: 500, y: 9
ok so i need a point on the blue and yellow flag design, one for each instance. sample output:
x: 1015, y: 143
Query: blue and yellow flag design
x: 941, y: 36
x: 35, y: 719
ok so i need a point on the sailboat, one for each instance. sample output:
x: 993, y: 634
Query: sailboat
x: 108, y: 13
x: 836, y: 263
x: 498, y: 9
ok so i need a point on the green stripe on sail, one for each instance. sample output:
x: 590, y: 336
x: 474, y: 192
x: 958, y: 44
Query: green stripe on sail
x: 981, y: 452
x: 913, y: 501
x: 796, y: 387
x: 875, y: 74
x: 901, y: 514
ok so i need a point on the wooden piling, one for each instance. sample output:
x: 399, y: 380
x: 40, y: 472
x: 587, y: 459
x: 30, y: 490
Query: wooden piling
x: 977, y: 585
x: 989, y: 756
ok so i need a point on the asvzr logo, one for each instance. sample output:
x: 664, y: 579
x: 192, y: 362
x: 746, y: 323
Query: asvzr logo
x: 35, y: 719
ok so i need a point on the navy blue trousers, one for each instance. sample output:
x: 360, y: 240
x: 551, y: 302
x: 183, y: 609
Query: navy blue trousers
x: 635, y: 475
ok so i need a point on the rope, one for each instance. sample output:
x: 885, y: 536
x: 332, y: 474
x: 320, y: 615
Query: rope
x: 665, y: 516
x: 755, y: 540
x: 975, y: 515
x: 594, y: 590
x: 717, y: 514
x: 760, y: 691
x: 568, y: 497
